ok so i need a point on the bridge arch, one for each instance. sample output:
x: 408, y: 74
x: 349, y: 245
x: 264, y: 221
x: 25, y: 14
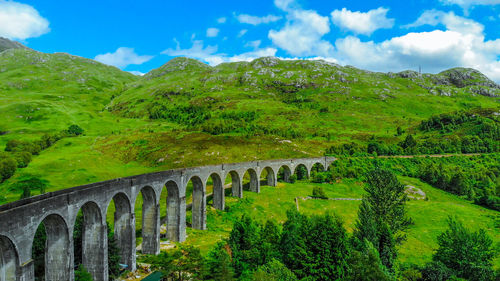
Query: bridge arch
x: 254, y: 184
x: 318, y: 167
x: 199, y: 204
x: 124, y: 229
x: 270, y: 176
x: 9, y: 260
x: 57, y: 257
x: 94, y: 241
x: 174, y: 220
x: 218, y: 191
x: 236, y: 186
x: 301, y: 171
x: 150, y: 221
x: 284, y: 173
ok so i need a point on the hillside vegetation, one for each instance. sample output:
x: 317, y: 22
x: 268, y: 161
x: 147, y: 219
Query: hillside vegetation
x: 187, y: 113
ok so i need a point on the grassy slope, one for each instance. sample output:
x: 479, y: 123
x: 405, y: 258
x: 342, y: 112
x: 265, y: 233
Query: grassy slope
x: 429, y: 216
x: 45, y: 93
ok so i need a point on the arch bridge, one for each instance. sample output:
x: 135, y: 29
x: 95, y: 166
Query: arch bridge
x: 58, y: 212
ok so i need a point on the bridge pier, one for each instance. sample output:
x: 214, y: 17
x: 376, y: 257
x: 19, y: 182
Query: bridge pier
x: 124, y: 230
x: 150, y: 222
x: 218, y: 192
x: 26, y: 272
x: 199, y: 206
x: 236, y: 184
x: 254, y: 181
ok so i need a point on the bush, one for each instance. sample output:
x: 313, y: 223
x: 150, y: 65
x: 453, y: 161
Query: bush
x: 81, y: 274
x: 293, y: 178
x: 75, y: 130
x: 7, y: 167
x: 23, y: 158
x: 318, y: 192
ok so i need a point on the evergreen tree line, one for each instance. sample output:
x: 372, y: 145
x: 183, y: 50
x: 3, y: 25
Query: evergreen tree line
x: 477, y: 178
x: 319, y: 247
x: 475, y: 131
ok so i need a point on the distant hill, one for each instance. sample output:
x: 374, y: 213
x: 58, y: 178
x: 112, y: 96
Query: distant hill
x: 298, y: 98
x: 8, y: 44
x: 42, y: 92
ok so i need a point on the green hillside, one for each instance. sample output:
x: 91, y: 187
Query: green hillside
x: 187, y: 113
x: 47, y: 92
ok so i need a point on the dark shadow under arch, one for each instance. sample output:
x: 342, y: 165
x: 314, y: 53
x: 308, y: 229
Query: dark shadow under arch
x: 301, y: 172
x: 284, y: 173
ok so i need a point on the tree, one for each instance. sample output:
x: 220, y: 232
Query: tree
x: 218, y: 263
x: 38, y: 252
x: 186, y: 263
x: 113, y: 255
x: 365, y: 265
x: 244, y: 241
x: 7, y: 167
x: 75, y: 130
x: 81, y: 274
x: 382, y: 218
x: 408, y: 143
x: 315, y: 247
x: 467, y: 254
x: 274, y: 271
x: 28, y: 182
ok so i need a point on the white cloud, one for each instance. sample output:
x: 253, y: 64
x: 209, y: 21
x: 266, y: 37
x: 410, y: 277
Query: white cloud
x: 254, y: 44
x: 242, y: 32
x: 222, y: 20
x: 470, y: 3
x: 209, y: 54
x: 362, y: 23
x: 254, y: 20
x: 283, y: 4
x: 449, y: 20
x: 21, y: 21
x: 196, y: 51
x: 461, y: 44
x: 212, y: 32
x: 122, y: 57
x: 302, y: 33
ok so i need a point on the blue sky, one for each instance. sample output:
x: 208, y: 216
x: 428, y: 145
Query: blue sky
x: 384, y: 36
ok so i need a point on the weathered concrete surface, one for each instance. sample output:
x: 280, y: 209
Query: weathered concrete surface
x: 58, y: 211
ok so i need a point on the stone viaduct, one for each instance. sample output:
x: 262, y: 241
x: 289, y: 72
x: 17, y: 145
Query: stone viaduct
x: 58, y: 211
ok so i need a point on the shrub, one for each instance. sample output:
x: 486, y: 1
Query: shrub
x: 75, y: 130
x: 7, y: 167
x: 23, y: 158
x: 318, y: 192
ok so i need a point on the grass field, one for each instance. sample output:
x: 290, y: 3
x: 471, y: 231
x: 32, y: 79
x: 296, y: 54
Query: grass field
x: 273, y: 202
